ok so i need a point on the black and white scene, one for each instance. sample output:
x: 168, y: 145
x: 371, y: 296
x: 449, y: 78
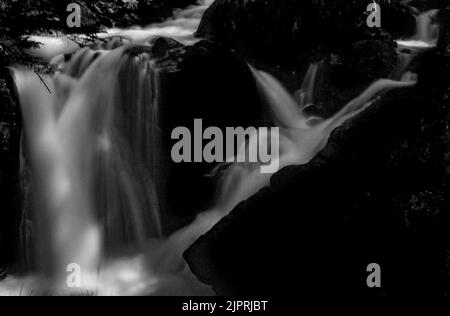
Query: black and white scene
x: 204, y: 149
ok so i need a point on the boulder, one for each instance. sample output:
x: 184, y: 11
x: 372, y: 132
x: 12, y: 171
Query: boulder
x: 377, y: 193
x: 280, y: 33
x: 205, y: 82
x: 346, y: 75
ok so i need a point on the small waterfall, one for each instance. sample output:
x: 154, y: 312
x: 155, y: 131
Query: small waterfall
x: 94, y: 156
x: 427, y: 31
x: 305, y: 96
x: 65, y: 230
x: 302, y: 136
x: 427, y: 27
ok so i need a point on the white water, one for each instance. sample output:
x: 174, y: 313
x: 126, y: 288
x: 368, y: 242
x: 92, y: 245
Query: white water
x: 76, y: 155
x: 427, y: 32
x: 305, y: 96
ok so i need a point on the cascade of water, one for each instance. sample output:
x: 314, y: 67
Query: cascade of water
x: 426, y: 36
x: 66, y: 233
x: 93, y: 140
x: 78, y: 158
x: 300, y: 141
x: 427, y: 28
x: 302, y: 137
x: 305, y: 96
x: 93, y: 153
x: 427, y: 31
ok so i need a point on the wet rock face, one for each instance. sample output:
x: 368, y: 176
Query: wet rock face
x: 378, y: 193
x: 10, y: 129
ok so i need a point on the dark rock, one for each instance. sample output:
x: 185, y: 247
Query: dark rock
x: 378, y: 193
x: 269, y: 31
x: 283, y: 32
x: 205, y: 82
x: 425, y: 5
x: 444, y: 21
x: 371, y: 60
x: 343, y: 77
x: 10, y: 130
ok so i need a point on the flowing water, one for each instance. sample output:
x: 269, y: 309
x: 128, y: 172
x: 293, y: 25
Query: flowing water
x: 180, y: 27
x: 427, y: 31
x: 93, y: 143
x: 426, y: 37
x: 305, y: 96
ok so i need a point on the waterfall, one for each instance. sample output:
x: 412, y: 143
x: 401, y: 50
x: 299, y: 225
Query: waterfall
x: 94, y: 156
x: 93, y: 143
x: 305, y: 96
x: 427, y: 31
x: 426, y: 36
x: 303, y: 135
